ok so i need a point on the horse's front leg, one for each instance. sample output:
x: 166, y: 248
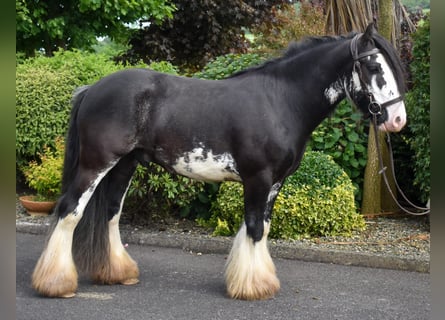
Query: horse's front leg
x: 250, y: 271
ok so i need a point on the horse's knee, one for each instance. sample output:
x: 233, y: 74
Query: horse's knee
x: 255, y: 228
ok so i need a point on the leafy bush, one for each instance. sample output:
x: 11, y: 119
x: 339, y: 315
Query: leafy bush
x: 418, y: 109
x: 164, y: 66
x: 45, y: 176
x: 344, y: 136
x: 155, y: 191
x: 199, y: 31
x: 42, y: 109
x: 292, y: 21
x: 44, y: 87
x: 226, y: 65
x: 317, y: 200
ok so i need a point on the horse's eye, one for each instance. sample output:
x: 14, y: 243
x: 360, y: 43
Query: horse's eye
x: 374, y: 68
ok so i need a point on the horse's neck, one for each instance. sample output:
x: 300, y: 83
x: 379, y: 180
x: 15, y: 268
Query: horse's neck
x: 325, y: 72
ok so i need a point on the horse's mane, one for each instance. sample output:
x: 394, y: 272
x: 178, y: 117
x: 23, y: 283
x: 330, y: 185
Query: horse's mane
x: 296, y: 48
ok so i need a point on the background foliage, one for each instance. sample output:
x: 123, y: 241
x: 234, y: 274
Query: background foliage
x: 228, y: 64
x: 45, y: 175
x: 199, y: 31
x: 290, y: 22
x: 69, y: 24
x: 42, y: 109
x: 414, y: 144
x: 44, y: 87
x: 344, y: 137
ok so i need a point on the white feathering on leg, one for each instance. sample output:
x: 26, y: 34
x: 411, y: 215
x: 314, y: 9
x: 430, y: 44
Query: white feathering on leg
x: 250, y: 271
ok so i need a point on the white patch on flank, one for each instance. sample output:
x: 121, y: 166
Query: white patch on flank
x: 201, y: 164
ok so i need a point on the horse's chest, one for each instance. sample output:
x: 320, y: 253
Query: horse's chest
x: 203, y: 165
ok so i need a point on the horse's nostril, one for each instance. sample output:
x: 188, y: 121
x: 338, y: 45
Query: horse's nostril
x: 398, y: 119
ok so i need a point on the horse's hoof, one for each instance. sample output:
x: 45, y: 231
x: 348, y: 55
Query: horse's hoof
x: 130, y: 282
x: 261, y: 290
x: 68, y: 295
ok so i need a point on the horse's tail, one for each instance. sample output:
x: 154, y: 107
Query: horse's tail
x: 90, y: 240
x: 72, y: 146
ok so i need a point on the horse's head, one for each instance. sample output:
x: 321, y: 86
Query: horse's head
x: 378, y: 82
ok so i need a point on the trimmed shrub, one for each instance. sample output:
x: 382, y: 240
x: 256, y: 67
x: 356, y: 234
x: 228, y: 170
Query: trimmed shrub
x: 42, y: 109
x: 317, y: 200
x: 44, y: 87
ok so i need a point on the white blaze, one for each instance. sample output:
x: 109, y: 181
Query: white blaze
x: 396, y: 112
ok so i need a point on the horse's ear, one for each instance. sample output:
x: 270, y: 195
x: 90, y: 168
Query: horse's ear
x: 370, y: 31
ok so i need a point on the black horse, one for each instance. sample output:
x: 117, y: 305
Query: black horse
x: 251, y: 127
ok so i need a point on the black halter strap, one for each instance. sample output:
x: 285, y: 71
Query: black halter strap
x: 354, y: 49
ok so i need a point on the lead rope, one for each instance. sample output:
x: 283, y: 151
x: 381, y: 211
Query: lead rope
x: 423, y: 210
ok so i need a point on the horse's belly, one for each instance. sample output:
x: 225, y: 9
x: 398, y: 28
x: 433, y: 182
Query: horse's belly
x: 203, y: 165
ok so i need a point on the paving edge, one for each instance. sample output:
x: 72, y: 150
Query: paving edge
x: 208, y: 244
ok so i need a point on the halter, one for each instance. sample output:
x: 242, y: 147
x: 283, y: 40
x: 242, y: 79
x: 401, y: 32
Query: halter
x: 374, y: 107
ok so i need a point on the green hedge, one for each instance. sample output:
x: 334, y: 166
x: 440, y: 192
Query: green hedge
x: 44, y: 87
x: 42, y: 108
x: 318, y: 200
x: 418, y: 109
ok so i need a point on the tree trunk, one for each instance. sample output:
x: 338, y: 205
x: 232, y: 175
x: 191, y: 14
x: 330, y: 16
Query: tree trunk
x: 372, y: 184
x: 376, y: 197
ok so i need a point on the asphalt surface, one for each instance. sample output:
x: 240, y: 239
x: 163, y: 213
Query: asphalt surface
x: 178, y: 284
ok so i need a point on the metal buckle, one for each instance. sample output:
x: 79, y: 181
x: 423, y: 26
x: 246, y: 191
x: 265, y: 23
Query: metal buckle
x: 375, y: 108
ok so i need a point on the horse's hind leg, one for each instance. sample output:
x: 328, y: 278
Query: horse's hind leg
x: 121, y: 268
x: 250, y: 271
x: 55, y: 274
